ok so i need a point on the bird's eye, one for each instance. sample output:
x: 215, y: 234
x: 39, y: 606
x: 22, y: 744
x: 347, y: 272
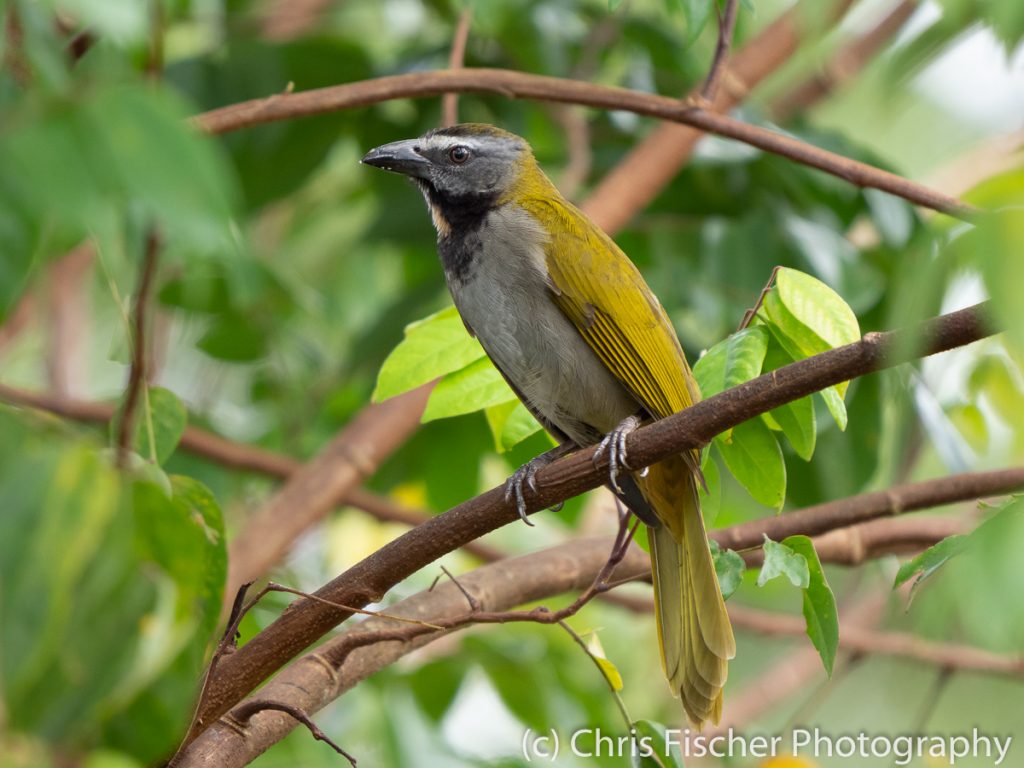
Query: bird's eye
x: 459, y: 154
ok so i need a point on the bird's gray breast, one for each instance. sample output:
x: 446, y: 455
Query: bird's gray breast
x: 497, y: 275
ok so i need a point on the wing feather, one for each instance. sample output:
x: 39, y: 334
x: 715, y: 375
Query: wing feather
x: 588, y: 274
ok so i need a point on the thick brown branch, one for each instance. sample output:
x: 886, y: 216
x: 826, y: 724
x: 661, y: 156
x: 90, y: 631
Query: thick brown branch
x: 343, y: 662
x: 323, y: 675
x: 137, y: 372
x: 520, y: 85
x: 370, y: 579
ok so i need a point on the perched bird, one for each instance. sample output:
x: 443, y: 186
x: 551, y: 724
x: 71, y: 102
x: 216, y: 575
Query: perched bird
x: 581, y: 339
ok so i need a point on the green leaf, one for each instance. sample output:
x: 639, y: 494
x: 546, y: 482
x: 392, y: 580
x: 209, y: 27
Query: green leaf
x: 234, y: 338
x: 994, y: 379
x: 994, y: 244
x: 608, y: 669
x: 116, y: 153
x: 475, y: 387
x: 820, y: 612
x: 753, y: 456
x: 732, y: 361
x: 510, y: 424
x: 111, y: 592
x: 432, y: 347
x: 999, y: 191
x: 808, y: 318
x: 780, y: 560
x: 435, y: 684
x: 796, y: 419
x: 696, y: 13
x: 730, y: 568
x: 168, y: 418
x: 826, y: 320
x: 649, y: 747
x: 924, y: 565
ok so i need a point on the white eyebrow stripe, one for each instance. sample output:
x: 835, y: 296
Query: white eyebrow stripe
x: 444, y: 142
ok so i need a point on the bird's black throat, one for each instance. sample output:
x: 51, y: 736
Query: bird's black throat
x: 458, y: 218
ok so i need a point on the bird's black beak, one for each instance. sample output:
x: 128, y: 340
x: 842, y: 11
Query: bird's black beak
x: 399, y: 157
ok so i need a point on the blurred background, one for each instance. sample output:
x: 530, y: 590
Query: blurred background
x: 287, y: 273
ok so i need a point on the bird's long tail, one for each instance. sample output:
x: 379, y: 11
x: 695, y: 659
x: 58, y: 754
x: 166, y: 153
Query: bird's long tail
x: 693, y: 627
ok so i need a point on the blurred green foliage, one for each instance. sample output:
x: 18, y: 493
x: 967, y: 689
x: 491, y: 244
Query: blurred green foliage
x: 288, y: 274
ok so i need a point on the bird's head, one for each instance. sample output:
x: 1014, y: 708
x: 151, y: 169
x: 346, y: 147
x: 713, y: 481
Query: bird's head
x: 466, y: 162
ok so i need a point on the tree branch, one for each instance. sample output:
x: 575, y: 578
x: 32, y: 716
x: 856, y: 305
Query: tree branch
x: 648, y: 168
x: 137, y: 372
x: 319, y: 677
x: 513, y: 84
x: 368, y: 580
x: 719, y: 64
x: 344, y: 661
x: 860, y: 640
x: 456, y: 58
x: 867, y: 506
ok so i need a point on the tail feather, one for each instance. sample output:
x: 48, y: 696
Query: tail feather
x: 694, y: 632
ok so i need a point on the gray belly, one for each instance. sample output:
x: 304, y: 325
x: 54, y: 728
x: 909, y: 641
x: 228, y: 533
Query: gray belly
x: 506, y: 302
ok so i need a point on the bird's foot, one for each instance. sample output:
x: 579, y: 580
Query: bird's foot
x: 615, y: 444
x: 526, y: 477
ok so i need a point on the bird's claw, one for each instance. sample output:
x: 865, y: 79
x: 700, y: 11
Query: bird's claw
x: 615, y: 444
x: 525, y: 475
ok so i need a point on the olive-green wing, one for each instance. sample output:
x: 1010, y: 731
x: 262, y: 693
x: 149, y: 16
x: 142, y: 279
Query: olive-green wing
x: 589, y: 277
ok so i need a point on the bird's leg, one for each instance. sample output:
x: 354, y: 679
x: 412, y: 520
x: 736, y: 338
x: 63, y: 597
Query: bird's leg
x: 526, y: 475
x: 615, y: 444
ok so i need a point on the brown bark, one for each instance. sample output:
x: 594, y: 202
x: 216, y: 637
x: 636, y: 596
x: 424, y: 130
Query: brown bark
x: 370, y: 579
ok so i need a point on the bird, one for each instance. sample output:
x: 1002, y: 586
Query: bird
x: 584, y: 343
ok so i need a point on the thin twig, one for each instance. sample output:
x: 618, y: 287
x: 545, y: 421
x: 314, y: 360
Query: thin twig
x: 521, y: 85
x: 456, y: 59
x: 246, y: 711
x: 719, y: 64
x: 273, y: 586
x: 474, y: 604
x: 749, y: 314
x: 604, y: 675
x: 137, y: 372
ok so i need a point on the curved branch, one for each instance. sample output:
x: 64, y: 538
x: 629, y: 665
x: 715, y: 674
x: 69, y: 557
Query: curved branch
x: 367, y: 581
x: 820, y: 518
x: 318, y: 678
x: 340, y: 664
x: 520, y: 85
